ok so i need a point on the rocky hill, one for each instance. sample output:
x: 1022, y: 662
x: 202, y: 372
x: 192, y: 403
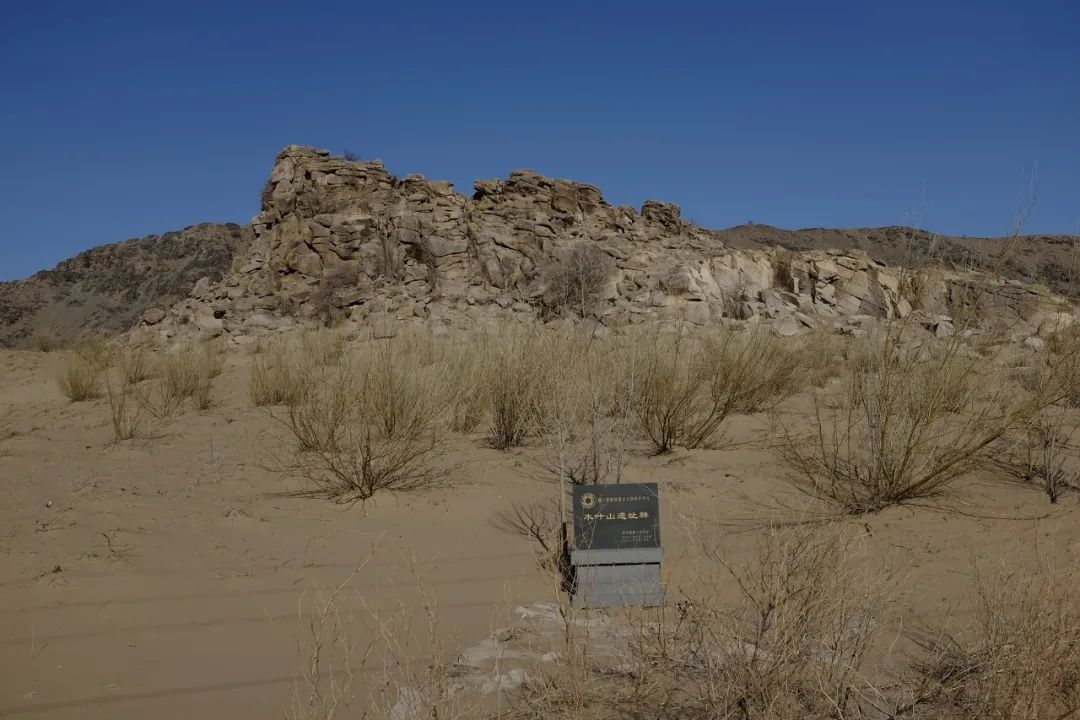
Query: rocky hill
x: 346, y: 242
x: 107, y: 289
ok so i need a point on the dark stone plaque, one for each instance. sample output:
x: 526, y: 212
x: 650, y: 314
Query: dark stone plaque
x: 616, y: 517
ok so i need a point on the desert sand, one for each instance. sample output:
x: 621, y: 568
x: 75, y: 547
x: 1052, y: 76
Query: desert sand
x: 167, y: 577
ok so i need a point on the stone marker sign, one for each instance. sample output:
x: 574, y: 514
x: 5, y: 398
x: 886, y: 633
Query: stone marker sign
x: 614, y: 517
x: 616, y: 555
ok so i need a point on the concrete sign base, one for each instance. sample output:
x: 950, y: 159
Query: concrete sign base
x: 614, y: 578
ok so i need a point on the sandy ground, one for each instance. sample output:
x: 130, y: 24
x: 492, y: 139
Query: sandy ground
x: 163, y: 578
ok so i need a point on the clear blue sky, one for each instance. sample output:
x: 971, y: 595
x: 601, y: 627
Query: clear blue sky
x: 128, y: 118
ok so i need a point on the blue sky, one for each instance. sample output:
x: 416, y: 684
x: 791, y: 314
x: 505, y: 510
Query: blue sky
x: 128, y: 118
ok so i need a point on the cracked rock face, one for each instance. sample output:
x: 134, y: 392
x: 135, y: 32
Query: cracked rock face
x: 340, y: 241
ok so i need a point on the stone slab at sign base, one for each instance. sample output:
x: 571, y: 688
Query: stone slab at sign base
x: 613, y: 578
x: 617, y: 556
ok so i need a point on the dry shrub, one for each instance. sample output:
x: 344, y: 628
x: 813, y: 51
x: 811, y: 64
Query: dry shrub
x: 125, y: 413
x: 540, y: 523
x: 322, y: 347
x: 372, y: 424
x: 792, y: 644
x: 213, y: 358
x: 96, y: 350
x: 135, y: 365
x: 318, y: 419
x: 669, y: 385
x: 80, y: 379
x: 203, y: 397
x: 465, y: 384
x: 181, y: 372
x: 325, y: 683
x: 186, y: 374
x: 1062, y: 361
x: 277, y: 376
x: 689, y: 385
x: 520, y: 369
x: 395, y: 669
x: 576, y: 280
x: 820, y: 357
x: 1044, y: 456
x: 44, y: 342
x: 1020, y: 658
x: 906, y: 423
x: 588, y: 421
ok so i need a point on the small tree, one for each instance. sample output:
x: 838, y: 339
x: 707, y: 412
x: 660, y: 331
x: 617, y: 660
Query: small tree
x: 576, y: 282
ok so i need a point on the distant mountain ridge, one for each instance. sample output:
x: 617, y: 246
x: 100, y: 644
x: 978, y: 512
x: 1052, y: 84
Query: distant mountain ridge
x: 1051, y: 260
x: 107, y: 289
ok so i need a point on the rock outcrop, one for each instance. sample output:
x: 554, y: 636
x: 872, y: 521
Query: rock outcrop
x: 346, y: 242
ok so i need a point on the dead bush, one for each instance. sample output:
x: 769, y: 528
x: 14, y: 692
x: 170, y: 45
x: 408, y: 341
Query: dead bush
x: 670, y: 383
x: 592, y: 430
x: 820, y: 357
x: 125, y: 413
x: 203, y: 397
x: 44, y: 342
x: 359, y: 659
x: 576, y: 281
x: 1020, y: 658
x: 745, y: 373
x: 318, y: 421
x: 322, y: 347
x: 688, y: 386
x: 519, y: 371
x: 95, y: 350
x: 277, y: 376
x: 904, y: 426
x: 540, y: 523
x: 465, y: 383
x: 181, y: 372
x: 184, y: 375
x: 135, y: 365
x: 213, y: 358
x: 372, y: 424
x: 793, y: 643
x: 80, y: 379
x: 1044, y: 456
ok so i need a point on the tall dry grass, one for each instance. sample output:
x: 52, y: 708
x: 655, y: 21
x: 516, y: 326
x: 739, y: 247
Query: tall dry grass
x: 81, y: 378
x: 278, y: 375
x: 125, y: 412
x: 136, y: 365
x: 172, y: 379
x: 85, y: 364
x: 520, y: 367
